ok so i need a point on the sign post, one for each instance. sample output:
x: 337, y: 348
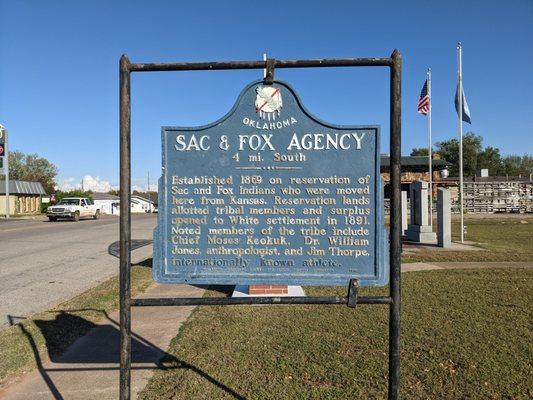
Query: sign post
x: 4, y: 164
x: 269, y: 194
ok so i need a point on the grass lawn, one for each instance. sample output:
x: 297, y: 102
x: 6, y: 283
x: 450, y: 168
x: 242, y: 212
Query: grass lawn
x: 506, y: 238
x: 466, y: 334
x: 51, y: 332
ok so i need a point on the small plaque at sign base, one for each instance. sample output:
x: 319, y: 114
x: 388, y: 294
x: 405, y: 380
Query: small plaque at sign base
x: 270, y: 194
x: 273, y: 291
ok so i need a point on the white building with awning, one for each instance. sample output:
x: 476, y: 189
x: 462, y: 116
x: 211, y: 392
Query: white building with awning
x: 108, y: 203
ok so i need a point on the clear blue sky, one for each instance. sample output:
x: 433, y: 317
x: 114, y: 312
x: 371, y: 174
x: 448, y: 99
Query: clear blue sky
x: 59, y: 70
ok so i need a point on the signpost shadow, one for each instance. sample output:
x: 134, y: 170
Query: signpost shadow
x: 98, y: 350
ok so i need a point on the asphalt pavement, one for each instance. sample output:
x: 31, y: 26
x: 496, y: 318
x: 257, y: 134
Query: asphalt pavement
x: 43, y: 263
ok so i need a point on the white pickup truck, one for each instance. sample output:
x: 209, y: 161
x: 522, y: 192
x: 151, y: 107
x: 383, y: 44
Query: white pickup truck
x: 74, y: 208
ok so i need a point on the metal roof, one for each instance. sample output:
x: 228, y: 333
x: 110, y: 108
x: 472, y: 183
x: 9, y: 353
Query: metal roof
x: 104, y: 196
x: 415, y: 161
x: 22, y: 187
x: 144, y: 197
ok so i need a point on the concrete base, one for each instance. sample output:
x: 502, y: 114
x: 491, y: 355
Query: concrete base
x: 420, y: 228
x: 421, y: 234
x: 242, y: 291
x: 413, y: 247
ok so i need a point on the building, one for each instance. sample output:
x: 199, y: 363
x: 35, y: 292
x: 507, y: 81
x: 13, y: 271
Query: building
x: 141, y: 204
x: 415, y: 168
x: 24, y: 197
x: 108, y: 203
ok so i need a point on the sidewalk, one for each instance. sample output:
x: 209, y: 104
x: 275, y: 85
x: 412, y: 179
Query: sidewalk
x: 90, y: 367
x: 422, y: 266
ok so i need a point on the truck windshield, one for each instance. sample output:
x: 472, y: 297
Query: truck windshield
x: 69, y: 202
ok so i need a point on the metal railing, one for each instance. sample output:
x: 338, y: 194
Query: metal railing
x: 394, y: 63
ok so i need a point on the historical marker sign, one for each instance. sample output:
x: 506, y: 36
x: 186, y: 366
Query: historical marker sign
x: 270, y: 194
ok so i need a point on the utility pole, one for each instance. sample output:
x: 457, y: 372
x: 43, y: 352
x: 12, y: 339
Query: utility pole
x: 148, y: 190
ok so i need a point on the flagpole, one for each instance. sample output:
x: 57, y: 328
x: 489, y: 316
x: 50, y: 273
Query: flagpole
x: 430, y: 148
x: 460, y: 80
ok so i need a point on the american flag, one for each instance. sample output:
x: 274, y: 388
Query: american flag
x: 424, y: 101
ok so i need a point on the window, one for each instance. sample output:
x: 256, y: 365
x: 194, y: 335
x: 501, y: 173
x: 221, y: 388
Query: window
x: 69, y: 202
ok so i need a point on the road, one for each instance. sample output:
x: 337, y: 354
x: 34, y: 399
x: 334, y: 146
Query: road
x: 44, y: 263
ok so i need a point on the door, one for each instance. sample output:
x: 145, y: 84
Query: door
x: 85, y: 211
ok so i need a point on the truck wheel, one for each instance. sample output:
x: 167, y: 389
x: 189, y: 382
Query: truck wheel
x: 96, y: 214
x: 52, y: 219
x: 76, y: 216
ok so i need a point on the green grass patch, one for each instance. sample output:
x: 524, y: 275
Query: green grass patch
x: 502, y: 239
x: 465, y: 334
x: 50, y: 333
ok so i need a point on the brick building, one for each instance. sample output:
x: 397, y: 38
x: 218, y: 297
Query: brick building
x: 24, y: 197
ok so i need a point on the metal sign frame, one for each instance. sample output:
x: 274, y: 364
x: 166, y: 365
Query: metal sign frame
x: 394, y: 63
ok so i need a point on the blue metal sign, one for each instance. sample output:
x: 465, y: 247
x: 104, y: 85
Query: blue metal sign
x: 270, y: 194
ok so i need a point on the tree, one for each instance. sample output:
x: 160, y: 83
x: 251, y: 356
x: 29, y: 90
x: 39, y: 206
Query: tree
x: 472, y: 147
x: 422, y: 151
x: 490, y: 158
x: 73, y: 193
x: 526, y: 165
x: 31, y: 167
x: 511, y: 165
x: 514, y: 165
x: 475, y: 157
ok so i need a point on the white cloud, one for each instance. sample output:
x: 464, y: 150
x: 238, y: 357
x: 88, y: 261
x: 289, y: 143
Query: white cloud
x: 95, y: 184
x: 141, y: 186
x: 69, y: 184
